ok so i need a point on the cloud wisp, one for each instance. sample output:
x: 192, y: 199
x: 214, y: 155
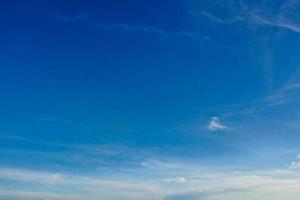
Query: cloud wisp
x: 241, y: 12
x: 277, y: 23
x: 215, y: 124
x: 124, y: 27
x: 169, y: 181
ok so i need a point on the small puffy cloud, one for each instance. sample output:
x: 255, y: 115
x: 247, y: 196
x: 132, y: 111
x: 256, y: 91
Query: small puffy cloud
x: 215, y: 124
x: 295, y: 164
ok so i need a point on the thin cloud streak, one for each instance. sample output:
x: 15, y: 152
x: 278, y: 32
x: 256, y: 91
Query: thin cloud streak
x: 255, y: 15
x: 279, y: 24
x: 143, y: 28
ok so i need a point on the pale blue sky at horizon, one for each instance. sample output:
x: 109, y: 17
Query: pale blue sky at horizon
x: 158, y: 100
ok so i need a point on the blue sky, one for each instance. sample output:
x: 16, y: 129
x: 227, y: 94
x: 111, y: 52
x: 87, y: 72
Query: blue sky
x: 160, y: 100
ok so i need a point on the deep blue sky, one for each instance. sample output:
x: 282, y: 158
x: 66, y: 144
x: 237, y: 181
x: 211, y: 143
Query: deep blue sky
x: 131, y: 90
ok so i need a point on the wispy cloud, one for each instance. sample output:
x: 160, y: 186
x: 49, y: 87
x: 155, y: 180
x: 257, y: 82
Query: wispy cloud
x: 125, y: 27
x: 105, y: 158
x: 259, y: 14
x: 67, y: 18
x: 278, y: 97
x: 277, y: 23
x: 215, y: 124
x: 167, y: 34
x: 286, y: 18
x: 188, y: 33
x: 218, y: 20
x: 79, y: 185
x: 25, y: 195
x: 169, y: 180
x: 146, y: 29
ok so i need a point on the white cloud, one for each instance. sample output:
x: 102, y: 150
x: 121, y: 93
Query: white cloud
x: 240, y: 11
x: 276, y: 23
x: 218, y: 20
x: 191, y: 180
x: 178, y: 180
x: 79, y: 185
x: 145, y: 29
x: 294, y: 165
x: 216, y: 125
x: 282, y: 19
x: 25, y: 195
